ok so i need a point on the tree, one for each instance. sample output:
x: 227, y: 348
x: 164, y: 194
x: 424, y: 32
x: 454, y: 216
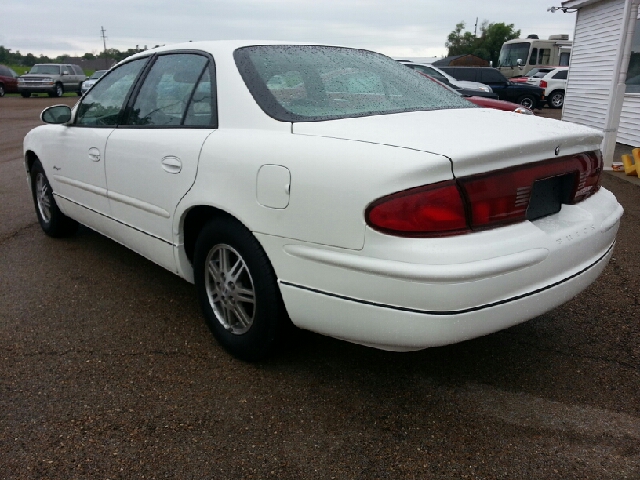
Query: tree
x: 486, y: 46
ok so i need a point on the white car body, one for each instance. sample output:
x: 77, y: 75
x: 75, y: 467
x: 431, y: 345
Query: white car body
x: 302, y: 190
x: 554, y: 84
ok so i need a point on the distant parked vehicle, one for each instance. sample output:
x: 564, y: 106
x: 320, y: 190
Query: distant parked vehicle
x: 554, y: 84
x: 526, y: 95
x: 53, y: 79
x: 535, y: 72
x: 438, y: 74
x: 89, y: 82
x: 8, y: 81
x: 520, y: 55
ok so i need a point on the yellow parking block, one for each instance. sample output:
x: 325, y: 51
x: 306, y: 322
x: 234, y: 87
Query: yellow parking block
x: 636, y: 155
x: 629, y: 167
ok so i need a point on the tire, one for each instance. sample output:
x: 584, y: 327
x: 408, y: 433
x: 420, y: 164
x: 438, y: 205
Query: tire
x: 1, y: 90
x: 80, y: 89
x: 58, y: 91
x: 25, y: 94
x: 528, y: 101
x: 53, y: 222
x: 238, y: 290
x: 556, y: 99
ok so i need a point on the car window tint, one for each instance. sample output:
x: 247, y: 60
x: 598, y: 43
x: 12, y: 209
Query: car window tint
x: 4, y: 71
x: 45, y: 69
x: 489, y: 75
x: 315, y: 83
x: 167, y: 89
x: 103, y: 104
x: 561, y: 75
x: 200, y: 111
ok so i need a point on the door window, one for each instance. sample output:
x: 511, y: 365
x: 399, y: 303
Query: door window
x: 168, y: 88
x: 533, y: 60
x: 543, y: 56
x: 103, y: 104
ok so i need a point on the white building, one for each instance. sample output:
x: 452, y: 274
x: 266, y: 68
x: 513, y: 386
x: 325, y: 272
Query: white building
x: 603, y: 88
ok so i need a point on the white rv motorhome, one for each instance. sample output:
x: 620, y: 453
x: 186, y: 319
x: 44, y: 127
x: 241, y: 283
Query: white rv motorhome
x: 520, y: 55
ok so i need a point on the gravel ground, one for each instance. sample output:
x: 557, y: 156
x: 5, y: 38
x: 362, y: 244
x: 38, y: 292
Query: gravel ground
x: 107, y: 371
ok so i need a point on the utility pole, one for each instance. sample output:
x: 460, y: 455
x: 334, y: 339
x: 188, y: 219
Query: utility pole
x: 475, y: 30
x: 104, y: 42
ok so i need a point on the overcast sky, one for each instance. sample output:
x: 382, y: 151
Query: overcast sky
x: 411, y: 28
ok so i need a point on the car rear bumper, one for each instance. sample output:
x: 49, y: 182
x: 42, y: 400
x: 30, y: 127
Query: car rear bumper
x: 409, y: 294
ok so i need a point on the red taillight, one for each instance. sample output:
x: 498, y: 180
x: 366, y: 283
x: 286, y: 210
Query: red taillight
x: 482, y: 201
x: 543, y: 84
x: 431, y: 210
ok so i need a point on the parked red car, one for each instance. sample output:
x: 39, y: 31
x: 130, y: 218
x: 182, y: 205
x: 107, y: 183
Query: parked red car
x: 8, y: 81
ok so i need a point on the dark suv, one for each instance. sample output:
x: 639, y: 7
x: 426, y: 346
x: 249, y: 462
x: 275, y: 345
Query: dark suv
x: 526, y: 95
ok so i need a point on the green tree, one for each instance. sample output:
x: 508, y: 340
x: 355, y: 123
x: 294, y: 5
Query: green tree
x: 486, y: 46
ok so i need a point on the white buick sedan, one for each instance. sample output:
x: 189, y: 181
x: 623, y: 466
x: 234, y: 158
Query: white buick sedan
x: 330, y: 188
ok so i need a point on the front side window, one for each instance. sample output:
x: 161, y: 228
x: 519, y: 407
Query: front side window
x: 314, y: 83
x: 167, y: 90
x: 104, y: 102
x: 633, y: 72
x: 533, y: 60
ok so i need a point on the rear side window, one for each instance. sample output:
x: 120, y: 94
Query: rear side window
x: 561, y: 75
x: 543, y: 56
x: 461, y: 73
x: 489, y: 75
x: 168, y: 89
x: 103, y: 104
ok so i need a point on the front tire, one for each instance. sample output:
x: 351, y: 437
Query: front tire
x: 527, y: 101
x: 1, y: 90
x: 556, y: 99
x: 25, y: 94
x: 58, y: 91
x: 52, y: 221
x: 238, y: 290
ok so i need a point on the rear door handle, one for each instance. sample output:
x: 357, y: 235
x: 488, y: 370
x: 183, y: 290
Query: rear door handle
x: 171, y: 164
x: 94, y: 154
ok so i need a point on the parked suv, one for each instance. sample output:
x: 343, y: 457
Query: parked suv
x: 8, y: 81
x: 554, y: 84
x: 526, y: 95
x: 54, y: 79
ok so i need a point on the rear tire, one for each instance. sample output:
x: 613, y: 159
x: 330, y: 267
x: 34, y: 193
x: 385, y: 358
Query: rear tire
x: 52, y: 221
x: 238, y: 290
x: 556, y: 99
x: 1, y: 90
x: 25, y: 94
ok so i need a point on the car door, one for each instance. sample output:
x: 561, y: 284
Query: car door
x: 77, y: 155
x: 152, y: 157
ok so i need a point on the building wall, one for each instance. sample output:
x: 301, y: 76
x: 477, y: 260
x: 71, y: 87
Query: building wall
x: 595, y: 48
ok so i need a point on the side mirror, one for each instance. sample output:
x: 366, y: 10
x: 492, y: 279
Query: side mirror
x: 56, y: 115
x: 519, y: 63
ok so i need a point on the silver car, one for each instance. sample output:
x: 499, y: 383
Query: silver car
x: 89, y: 82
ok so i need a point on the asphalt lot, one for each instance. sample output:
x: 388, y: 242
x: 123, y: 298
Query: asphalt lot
x: 108, y: 371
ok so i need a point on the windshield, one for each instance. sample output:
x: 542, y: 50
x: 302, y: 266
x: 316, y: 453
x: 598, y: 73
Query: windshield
x: 46, y: 69
x: 297, y: 83
x: 512, y: 52
x: 97, y: 74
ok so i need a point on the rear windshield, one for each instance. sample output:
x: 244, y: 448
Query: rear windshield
x: 46, y: 69
x: 302, y: 83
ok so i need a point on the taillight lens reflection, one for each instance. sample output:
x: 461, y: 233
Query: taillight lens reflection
x: 480, y: 201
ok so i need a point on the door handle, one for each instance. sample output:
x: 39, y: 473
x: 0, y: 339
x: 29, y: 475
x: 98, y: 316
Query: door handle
x: 94, y: 154
x: 171, y: 164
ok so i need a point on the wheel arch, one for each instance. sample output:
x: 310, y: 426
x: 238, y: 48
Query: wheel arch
x: 192, y: 222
